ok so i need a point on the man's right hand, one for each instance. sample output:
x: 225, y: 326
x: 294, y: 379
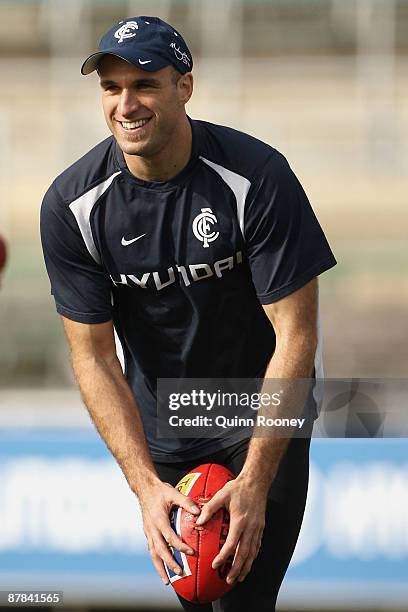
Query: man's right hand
x: 156, y: 502
x: 112, y: 406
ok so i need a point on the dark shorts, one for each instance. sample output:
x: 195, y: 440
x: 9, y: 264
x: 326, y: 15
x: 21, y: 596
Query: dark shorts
x: 284, y: 514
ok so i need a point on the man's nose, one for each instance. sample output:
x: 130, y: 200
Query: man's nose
x: 128, y: 103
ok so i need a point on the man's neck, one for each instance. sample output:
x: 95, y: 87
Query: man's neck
x: 168, y: 163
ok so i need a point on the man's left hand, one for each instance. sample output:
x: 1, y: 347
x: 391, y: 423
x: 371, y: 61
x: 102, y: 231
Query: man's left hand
x: 246, y: 505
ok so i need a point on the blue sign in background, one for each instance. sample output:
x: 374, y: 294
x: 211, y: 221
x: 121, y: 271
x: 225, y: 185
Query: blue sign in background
x: 357, y: 488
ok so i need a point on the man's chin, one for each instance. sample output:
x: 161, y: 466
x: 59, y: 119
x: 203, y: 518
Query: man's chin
x: 132, y: 148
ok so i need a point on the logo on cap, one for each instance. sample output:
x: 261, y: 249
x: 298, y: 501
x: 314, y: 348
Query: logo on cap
x: 126, y: 31
x: 181, y: 55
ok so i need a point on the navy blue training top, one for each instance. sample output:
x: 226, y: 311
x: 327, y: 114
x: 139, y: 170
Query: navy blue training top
x: 182, y: 267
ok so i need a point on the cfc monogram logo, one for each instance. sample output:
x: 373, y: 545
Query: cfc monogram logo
x: 126, y: 31
x: 202, y: 227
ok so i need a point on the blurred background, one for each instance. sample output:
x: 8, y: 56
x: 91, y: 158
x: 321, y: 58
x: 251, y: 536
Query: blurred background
x: 323, y: 81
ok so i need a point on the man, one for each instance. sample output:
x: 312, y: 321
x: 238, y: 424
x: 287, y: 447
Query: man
x: 198, y: 245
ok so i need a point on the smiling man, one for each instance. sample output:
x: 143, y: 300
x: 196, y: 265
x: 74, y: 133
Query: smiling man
x: 146, y: 117
x: 196, y: 243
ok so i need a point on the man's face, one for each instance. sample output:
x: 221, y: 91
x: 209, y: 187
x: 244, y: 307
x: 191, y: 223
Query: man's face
x: 142, y: 109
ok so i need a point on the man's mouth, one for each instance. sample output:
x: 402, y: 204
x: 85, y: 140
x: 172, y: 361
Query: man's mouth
x: 134, y: 125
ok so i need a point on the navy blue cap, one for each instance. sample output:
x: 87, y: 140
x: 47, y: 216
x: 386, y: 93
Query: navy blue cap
x: 147, y: 42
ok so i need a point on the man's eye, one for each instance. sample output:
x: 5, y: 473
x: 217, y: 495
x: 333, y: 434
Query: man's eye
x: 143, y: 86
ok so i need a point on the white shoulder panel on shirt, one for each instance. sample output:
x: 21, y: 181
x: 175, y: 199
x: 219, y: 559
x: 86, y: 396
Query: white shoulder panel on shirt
x: 237, y: 183
x: 82, y: 208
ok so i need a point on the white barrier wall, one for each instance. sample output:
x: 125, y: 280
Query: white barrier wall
x: 69, y: 522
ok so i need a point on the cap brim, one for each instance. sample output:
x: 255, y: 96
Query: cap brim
x: 144, y: 61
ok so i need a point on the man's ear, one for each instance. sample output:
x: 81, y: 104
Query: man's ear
x: 185, y: 87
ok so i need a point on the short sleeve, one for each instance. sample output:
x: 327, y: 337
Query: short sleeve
x: 286, y: 246
x: 80, y: 286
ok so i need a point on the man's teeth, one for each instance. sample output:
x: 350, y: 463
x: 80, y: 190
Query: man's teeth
x: 129, y: 125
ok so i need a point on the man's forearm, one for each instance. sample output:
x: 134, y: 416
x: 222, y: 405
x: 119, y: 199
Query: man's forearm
x: 293, y: 359
x: 113, y: 409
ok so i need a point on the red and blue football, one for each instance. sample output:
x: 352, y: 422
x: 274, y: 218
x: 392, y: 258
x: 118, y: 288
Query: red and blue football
x: 200, y: 583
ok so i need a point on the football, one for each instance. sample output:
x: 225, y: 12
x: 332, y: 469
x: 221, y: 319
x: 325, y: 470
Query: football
x: 199, y: 582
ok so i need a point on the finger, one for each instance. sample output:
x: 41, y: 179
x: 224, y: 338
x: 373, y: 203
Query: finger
x: 255, y: 544
x: 158, y: 564
x: 229, y: 548
x: 246, y: 568
x: 178, y: 499
x: 185, y: 502
x: 241, y: 556
x: 174, y: 540
x: 188, y: 504
x: 170, y: 536
x: 210, y: 508
x: 164, y: 553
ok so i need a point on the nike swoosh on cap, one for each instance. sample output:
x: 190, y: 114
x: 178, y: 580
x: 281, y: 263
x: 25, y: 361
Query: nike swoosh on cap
x: 144, y: 62
x: 125, y: 242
